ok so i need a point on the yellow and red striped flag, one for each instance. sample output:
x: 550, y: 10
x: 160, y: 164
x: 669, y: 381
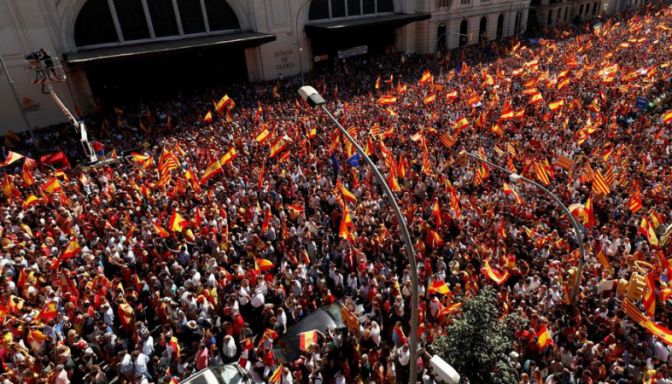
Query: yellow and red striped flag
x: 48, y: 312
x: 460, y: 123
x: 224, y: 102
x: 649, y: 297
x: 647, y: 323
x: 445, y: 311
x: 646, y: 230
x: 541, y: 173
x: 345, y: 226
x: 446, y: 139
x: 228, y: 156
x: 667, y: 117
x: 429, y: 99
x: 635, y: 203
x: 555, y: 105
x: 386, y: 100
x: 280, y: 145
x: 347, y: 195
x: 600, y: 185
x: 564, y: 162
x: 208, y: 118
x: 30, y: 201
x: 426, y: 77
x: 51, y: 186
x: 451, y: 96
x: 276, y: 377
x: 262, y: 136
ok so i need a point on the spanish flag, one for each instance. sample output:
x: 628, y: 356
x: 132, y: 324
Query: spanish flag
x: 213, y: 169
x: 438, y: 287
x: 208, y: 118
x: 177, y: 223
x: 347, y: 195
x: 667, y: 117
x: 386, y: 100
x: 228, y: 157
x: 263, y: 264
x: 30, y: 201
x: 160, y: 231
x: 262, y: 136
x: 12, y: 157
x: 280, y: 145
x: 536, y: 98
x: 224, y: 102
x: 71, y: 250
x: 451, y: 96
x: 563, y: 83
x: 497, y: 276
x: 461, y: 123
x: 646, y: 229
x: 554, y: 106
x: 544, y: 338
x: 436, y: 213
x: 345, y: 226
x: 426, y: 77
x: 649, y: 298
x: 509, y: 191
x: 48, y: 312
x: 307, y: 340
x: 445, y: 311
x: 429, y: 99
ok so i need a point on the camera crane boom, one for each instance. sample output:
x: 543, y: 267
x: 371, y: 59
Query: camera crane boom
x: 48, y: 71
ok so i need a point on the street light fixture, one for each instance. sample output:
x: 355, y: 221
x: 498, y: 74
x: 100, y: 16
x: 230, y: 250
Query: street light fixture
x: 514, y: 178
x: 314, y: 99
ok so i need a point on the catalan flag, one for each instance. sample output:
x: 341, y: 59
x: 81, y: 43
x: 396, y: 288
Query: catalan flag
x: 541, y: 173
x: 177, y: 223
x: 446, y: 139
x: 647, y: 323
x: 564, y: 162
x: 600, y: 185
x: 276, y: 376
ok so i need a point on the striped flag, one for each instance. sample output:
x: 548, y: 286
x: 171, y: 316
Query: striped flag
x: 262, y: 136
x: 646, y: 230
x: 446, y: 139
x: 429, y: 99
x: 451, y: 96
x: 307, y: 340
x: 544, y: 338
x: 555, y: 105
x: 635, y: 203
x: 600, y: 185
x: 509, y: 191
x: 177, y: 223
x: 386, y: 100
x: 160, y: 231
x: 564, y: 162
x: 12, y: 157
x: 498, y: 277
x: 667, y: 117
x: 347, y: 195
x: 649, y: 297
x: 541, y: 173
x: 445, y: 311
x: 276, y: 376
x: 438, y: 287
x: 609, y: 176
x: 71, y: 250
x: 263, y: 264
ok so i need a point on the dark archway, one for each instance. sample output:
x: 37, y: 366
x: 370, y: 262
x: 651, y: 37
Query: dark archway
x: 516, y: 28
x: 464, y: 28
x: 483, y: 30
x: 441, y: 37
x: 500, y: 27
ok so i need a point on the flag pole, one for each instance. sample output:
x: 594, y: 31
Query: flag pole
x: 577, y: 230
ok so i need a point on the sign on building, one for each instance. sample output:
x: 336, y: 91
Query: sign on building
x: 354, y: 51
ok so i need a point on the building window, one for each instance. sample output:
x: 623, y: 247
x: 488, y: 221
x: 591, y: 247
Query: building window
x: 443, y: 3
x: 465, y: 1
x: 594, y: 9
x: 500, y: 27
x: 95, y: 24
x: 336, y: 9
x: 550, y: 17
x: 464, y: 28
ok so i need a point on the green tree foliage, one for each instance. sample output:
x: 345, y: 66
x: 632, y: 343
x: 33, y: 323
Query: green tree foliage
x: 479, y: 342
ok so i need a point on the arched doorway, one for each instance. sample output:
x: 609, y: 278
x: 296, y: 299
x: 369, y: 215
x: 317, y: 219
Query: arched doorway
x: 483, y: 30
x: 441, y: 37
x: 500, y: 27
x: 464, y: 27
x: 122, y: 26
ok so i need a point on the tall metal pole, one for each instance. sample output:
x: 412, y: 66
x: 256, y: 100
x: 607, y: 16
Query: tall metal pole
x: 577, y: 229
x: 408, y: 243
x: 16, y: 98
x: 299, y: 49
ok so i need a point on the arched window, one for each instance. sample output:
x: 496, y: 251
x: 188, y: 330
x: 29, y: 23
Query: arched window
x: 337, y: 9
x: 103, y: 22
x: 500, y: 27
x: 441, y: 36
x: 464, y: 26
x: 483, y: 28
x: 94, y: 24
x: 516, y: 26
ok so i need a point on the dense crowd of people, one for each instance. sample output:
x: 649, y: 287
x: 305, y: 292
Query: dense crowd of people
x: 219, y: 234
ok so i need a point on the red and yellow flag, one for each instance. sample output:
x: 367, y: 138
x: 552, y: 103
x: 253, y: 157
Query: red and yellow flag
x: 635, y: 203
x: 262, y: 136
x: 48, y: 312
x: 345, y: 226
x: 667, y: 117
x: 386, y: 100
x: 160, y: 231
x: 509, y: 191
x: 307, y: 340
x: 647, y: 323
x: 177, y: 223
x: 544, y: 338
x: 600, y: 185
x: 555, y: 105
x: 280, y: 145
x: 649, y: 297
x: 347, y: 195
x: 71, y: 250
x: 12, y: 157
x: 30, y: 201
x: 498, y: 277
x: 263, y: 265
x: 438, y: 287
x: 646, y: 230
x: 426, y: 77
x: 429, y: 99
x: 224, y: 102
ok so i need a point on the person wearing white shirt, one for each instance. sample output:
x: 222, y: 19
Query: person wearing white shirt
x: 258, y: 299
x: 148, y: 346
x: 141, y: 361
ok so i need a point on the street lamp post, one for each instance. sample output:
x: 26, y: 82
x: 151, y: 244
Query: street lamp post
x: 514, y: 177
x: 299, y: 48
x: 310, y: 95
